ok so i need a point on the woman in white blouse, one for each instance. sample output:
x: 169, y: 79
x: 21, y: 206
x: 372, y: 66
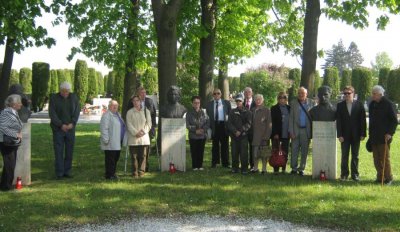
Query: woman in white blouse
x: 138, y: 122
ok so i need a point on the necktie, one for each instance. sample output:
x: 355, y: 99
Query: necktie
x: 216, y: 111
x: 248, y: 104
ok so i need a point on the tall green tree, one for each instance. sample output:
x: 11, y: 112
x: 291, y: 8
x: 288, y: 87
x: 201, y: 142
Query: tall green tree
x: 149, y: 80
x: 81, y: 81
x: 100, y: 83
x: 364, y: 85
x: 351, y: 12
x: 118, y: 34
x: 19, y: 30
x: 294, y: 76
x: 336, y: 57
x: 354, y: 56
x: 118, y: 87
x: 393, y: 84
x: 25, y: 79
x: 40, y: 80
x: 382, y: 60
x: 53, y: 82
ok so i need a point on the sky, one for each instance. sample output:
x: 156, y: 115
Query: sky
x: 369, y: 42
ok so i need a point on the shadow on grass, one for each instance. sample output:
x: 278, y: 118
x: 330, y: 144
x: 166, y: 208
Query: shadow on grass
x: 88, y: 198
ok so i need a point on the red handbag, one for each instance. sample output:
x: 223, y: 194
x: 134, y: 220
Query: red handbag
x: 277, y: 158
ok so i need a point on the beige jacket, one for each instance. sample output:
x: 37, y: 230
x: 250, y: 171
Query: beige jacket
x: 136, y: 121
x: 262, y: 125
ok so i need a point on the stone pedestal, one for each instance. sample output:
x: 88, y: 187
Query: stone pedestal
x: 23, y: 166
x: 324, y: 149
x: 173, y: 143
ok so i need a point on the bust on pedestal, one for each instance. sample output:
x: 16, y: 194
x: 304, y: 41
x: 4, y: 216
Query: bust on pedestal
x: 324, y: 136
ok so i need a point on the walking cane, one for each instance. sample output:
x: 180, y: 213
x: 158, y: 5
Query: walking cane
x: 126, y: 157
x: 384, y: 161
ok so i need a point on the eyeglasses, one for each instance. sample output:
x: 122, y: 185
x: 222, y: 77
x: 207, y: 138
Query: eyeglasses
x: 216, y: 93
x: 347, y: 93
x: 282, y: 97
x: 238, y: 100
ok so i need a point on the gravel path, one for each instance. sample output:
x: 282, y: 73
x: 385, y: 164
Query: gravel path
x: 195, y: 224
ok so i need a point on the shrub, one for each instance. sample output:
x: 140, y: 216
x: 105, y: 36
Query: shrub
x: 364, y: 82
x: 81, y: 81
x: 149, y: 80
x: 295, y: 77
x: 92, y: 85
x: 25, y: 79
x: 346, y: 78
x: 100, y: 83
x: 383, y: 77
x: 393, y: 83
x: 14, y: 77
x: 53, y: 81
x: 317, y: 83
x: 110, y: 83
x: 40, y: 80
x: 118, y: 91
x: 331, y: 79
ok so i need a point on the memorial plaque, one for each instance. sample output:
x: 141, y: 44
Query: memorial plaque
x: 23, y: 164
x: 173, y: 143
x: 324, y: 149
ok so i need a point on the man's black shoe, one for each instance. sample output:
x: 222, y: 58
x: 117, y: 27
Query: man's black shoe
x: 68, y: 176
x: 301, y: 173
x: 293, y: 172
x: 355, y: 178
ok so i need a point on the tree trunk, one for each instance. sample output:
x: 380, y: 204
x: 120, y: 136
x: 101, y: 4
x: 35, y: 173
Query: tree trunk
x: 223, y: 83
x: 165, y: 19
x: 311, y: 21
x: 131, y: 74
x: 207, y: 47
x: 6, y: 71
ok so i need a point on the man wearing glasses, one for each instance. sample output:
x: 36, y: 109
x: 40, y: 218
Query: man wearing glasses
x: 218, y: 110
x: 351, y: 129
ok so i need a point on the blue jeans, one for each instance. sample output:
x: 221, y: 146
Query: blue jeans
x: 63, y: 141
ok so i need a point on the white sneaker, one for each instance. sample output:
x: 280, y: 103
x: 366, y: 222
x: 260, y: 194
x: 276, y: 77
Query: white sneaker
x: 195, y: 169
x: 201, y: 169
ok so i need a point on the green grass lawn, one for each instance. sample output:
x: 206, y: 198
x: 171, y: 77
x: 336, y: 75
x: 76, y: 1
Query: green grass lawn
x: 88, y: 198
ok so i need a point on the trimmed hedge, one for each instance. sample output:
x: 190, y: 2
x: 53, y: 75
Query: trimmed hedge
x: 317, y: 83
x: 346, y: 78
x: 53, y: 81
x: 118, y: 91
x: 92, y: 85
x: 295, y: 77
x: 331, y: 79
x: 383, y: 77
x: 100, y: 83
x: 110, y: 83
x: 362, y: 82
x: 393, y: 84
x: 14, y: 77
x: 40, y: 80
x: 81, y: 81
x: 25, y: 79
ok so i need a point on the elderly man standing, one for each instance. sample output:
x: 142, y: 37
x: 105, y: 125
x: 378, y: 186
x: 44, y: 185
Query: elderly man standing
x: 382, y: 126
x: 300, y: 130
x: 64, y: 112
x: 218, y: 110
x: 351, y: 127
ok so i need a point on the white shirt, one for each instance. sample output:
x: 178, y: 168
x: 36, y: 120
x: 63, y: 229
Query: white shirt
x: 220, y: 110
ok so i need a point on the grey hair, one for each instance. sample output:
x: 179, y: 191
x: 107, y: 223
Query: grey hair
x: 302, y: 88
x: 65, y: 85
x: 378, y: 89
x: 248, y: 89
x: 12, y: 99
x: 112, y: 102
x: 259, y: 96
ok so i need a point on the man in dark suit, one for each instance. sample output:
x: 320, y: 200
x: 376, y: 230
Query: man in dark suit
x: 149, y: 104
x: 250, y: 104
x: 218, y: 110
x: 351, y: 129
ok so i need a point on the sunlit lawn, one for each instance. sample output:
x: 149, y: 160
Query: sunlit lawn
x: 88, y: 198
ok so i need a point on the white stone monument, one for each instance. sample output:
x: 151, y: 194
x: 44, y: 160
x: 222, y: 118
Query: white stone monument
x: 23, y: 164
x: 173, y: 143
x: 324, y: 149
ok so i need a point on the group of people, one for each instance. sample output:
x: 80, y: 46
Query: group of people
x: 251, y: 127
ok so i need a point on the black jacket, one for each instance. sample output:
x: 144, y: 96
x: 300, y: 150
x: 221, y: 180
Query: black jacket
x: 239, y: 120
x: 382, y: 120
x: 276, y: 116
x: 352, y: 126
x: 54, y: 110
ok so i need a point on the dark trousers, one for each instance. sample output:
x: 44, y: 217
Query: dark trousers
x: 220, y: 138
x: 110, y: 159
x: 197, y: 152
x: 378, y: 151
x: 284, y: 142
x: 63, y: 143
x: 239, y: 147
x: 250, y: 139
x: 9, y: 160
x: 138, y: 154
x: 345, y: 147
